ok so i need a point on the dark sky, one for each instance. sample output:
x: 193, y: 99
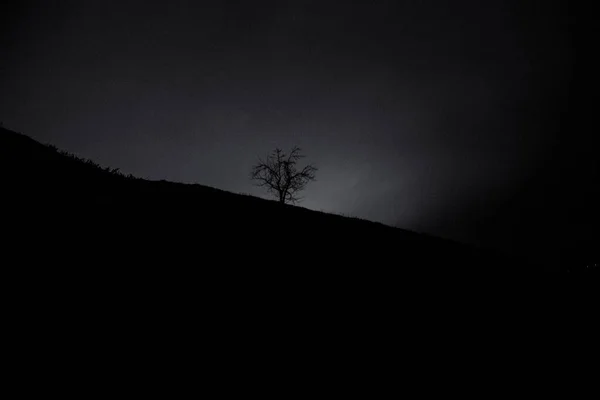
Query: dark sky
x: 428, y: 115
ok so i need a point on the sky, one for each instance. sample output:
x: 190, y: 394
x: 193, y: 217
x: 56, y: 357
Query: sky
x: 426, y: 115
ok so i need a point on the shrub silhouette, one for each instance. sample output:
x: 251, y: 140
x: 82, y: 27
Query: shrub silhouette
x: 87, y: 161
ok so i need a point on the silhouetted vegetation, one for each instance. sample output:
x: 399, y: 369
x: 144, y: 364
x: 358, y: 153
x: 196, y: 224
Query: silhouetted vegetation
x: 279, y: 175
x: 87, y: 161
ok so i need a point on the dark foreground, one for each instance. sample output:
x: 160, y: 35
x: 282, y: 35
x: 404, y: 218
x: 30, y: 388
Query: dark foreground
x: 127, y: 269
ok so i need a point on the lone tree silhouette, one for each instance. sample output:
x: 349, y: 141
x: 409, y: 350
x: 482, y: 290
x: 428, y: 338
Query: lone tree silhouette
x: 279, y: 175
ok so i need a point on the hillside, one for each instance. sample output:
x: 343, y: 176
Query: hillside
x: 109, y: 267
x: 73, y: 207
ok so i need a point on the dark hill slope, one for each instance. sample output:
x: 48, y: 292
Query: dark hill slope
x: 113, y: 271
x: 89, y: 215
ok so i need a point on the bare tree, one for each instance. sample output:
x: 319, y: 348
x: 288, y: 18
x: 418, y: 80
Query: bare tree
x: 279, y: 175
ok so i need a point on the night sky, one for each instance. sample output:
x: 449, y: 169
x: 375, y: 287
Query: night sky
x: 427, y: 115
